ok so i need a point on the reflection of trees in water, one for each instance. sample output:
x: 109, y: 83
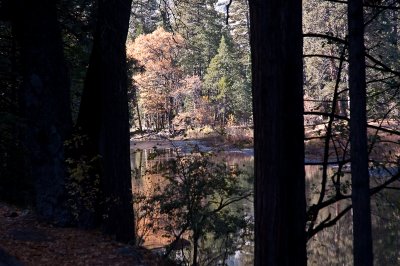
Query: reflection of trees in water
x: 145, y: 165
x: 333, y: 245
x: 148, y: 164
x: 386, y: 227
x: 144, y: 161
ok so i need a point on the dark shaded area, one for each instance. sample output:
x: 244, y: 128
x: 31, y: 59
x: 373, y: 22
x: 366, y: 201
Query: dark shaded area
x: 33, y: 235
x: 16, y: 184
x: 34, y: 110
x: 360, y: 196
x: 44, y: 103
x: 7, y: 260
x: 276, y: 46
x: 40, y: 159
x: 104, y: 116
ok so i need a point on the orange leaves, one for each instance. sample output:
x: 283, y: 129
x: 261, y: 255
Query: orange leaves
x: 156, y: 51
x: 158, y: 54
x: 163, y: 87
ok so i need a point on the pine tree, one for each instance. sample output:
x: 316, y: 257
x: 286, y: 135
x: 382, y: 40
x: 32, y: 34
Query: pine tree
x: 148, y: 15
x: 201, y: 24
x: 226, y: 86
x: 239, y: 24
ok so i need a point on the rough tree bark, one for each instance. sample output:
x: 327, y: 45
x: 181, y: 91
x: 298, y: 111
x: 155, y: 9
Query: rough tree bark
x: 362, y: 236
x: 276, y: 47
x: 104, y: 117
x: 44, y: 100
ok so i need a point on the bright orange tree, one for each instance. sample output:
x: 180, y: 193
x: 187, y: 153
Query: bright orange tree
x: 163, y: 88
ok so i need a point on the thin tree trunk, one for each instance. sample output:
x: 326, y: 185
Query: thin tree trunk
x: 362, y: 236
x: 44, y: 100
x: 195, y: 249
x: 280, y: 206
x: 138, y: 115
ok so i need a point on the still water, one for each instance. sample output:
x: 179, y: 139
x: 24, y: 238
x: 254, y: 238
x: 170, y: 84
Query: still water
x: 332, y: 246
x: 147, y: 162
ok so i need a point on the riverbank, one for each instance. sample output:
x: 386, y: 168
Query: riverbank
x: 229, y: 137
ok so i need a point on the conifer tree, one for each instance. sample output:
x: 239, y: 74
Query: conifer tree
x: 201, y: 24
x: 226, y: 86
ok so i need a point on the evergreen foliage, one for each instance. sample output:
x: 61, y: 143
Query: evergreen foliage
x: 201, y: 25
x: 146, y: 16
x: 226, y: 86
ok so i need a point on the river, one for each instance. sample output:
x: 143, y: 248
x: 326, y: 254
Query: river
x: 332, y: 246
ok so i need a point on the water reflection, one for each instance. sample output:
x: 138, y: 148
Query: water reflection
x: 332, y: 246
x: 146, y: 165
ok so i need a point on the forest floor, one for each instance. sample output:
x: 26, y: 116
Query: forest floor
x: 27, y: 241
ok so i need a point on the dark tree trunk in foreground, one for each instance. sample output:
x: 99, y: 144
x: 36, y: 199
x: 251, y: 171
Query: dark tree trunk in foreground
x: 44, y: 100
x: 276, y: 46
x: 362, y: 237
x: 104, y: 117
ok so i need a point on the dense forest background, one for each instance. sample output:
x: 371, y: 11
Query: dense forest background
x: 311, y: 84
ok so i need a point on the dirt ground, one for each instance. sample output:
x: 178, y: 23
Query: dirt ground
x: 36, y: 243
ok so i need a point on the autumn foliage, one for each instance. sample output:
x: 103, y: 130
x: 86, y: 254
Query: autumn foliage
x: 164, y: 91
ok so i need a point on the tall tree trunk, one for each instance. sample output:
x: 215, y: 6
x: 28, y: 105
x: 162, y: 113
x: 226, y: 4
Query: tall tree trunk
x: 276, y: 46
x: 362, y: 237
x: 104, y: 117
x: 44, y: 100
